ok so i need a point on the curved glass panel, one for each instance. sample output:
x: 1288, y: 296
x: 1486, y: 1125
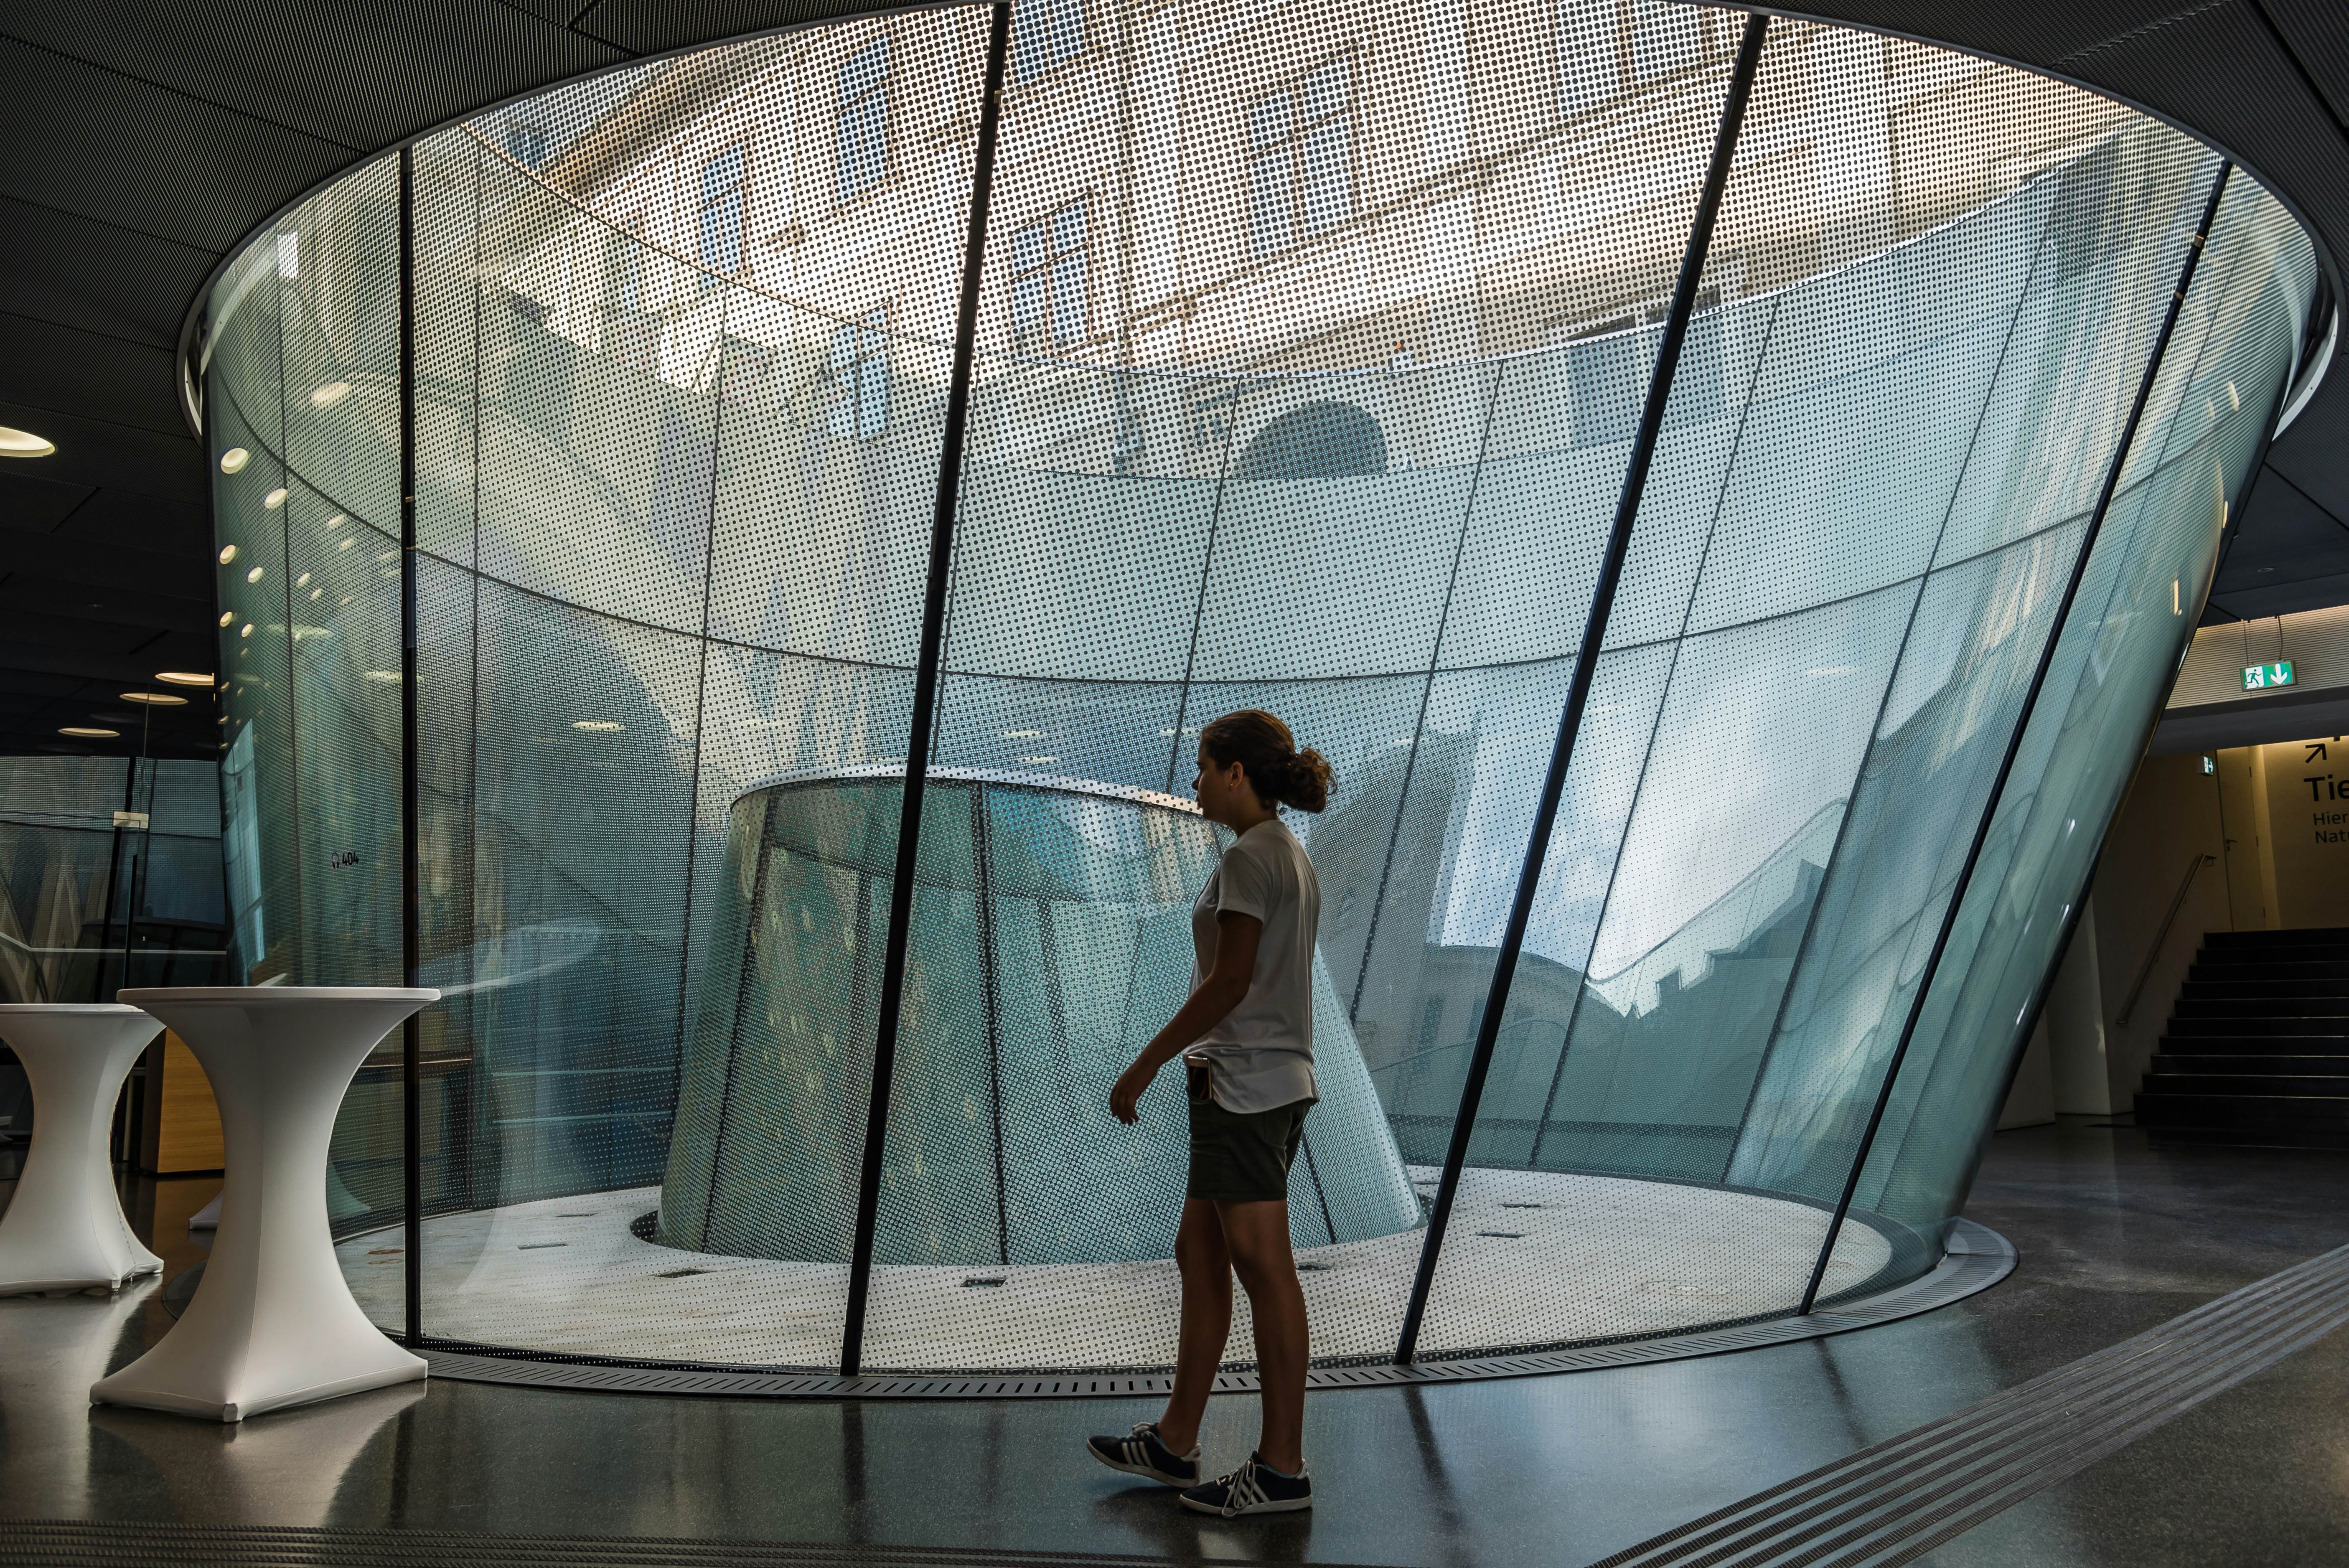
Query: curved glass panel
x: 1310, y: 353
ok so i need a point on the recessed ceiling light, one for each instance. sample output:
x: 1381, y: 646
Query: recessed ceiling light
x: 183, y: 677
x: 228, y: 553
x: 232, y: 461
x: 382, y: 675
x: 346, y: 543
x: 88, y: 733
x: 15, y: 443
x: 248, y: 631
x: 226, y: 616
x: 332, y: 393
x: 274, y: 499
x: 254, y: 575
x: 155, y: 698
x: 303, y: 580
x: 597, y: 726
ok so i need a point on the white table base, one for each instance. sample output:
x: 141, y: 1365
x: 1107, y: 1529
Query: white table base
x: 272, y: 1323
x: 63, y: 1229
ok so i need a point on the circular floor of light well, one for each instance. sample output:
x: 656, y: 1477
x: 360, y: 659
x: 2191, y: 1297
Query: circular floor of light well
x: 1534, y: 1258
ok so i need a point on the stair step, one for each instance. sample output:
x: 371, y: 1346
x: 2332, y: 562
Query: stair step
x: 2178, y: 1045
x: 2263, y: 1007
x: 2202, y: 970
x: 2300, y: 937
x: 2297, y: 953
x: 2233, y: 990
x: 2155, y: 1108
x: 2257, y: 1138
x: 2331, y: 1029
x: 2296, y: 1086
x: 2332, y: 1068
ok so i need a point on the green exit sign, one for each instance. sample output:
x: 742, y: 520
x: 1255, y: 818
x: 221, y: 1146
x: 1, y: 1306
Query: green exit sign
x: 2258, y: 677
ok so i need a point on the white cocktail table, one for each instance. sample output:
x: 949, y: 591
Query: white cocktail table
x: 272, y: 1323
x: 63, y: 1229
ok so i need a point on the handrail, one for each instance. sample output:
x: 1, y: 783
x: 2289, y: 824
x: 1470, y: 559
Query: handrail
x: 2193, y: 868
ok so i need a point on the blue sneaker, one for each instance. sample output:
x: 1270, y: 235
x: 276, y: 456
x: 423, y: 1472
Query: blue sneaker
x: 1254, y: 1488
x: 1141, y: 1453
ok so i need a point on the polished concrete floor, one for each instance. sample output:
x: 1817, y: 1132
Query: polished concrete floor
x: 2116, y: 1235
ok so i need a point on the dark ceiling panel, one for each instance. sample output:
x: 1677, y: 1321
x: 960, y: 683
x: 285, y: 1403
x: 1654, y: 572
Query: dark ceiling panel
x: 111, y: 379
x: 178, y: 577
x: 2318, y: 32
x: 79, y: 272
x: 119, y: 517
x: 156, y: 160
x: 38, y: 505
x: 92, y: 451
x: 651, y: 26
x: 362, y: 75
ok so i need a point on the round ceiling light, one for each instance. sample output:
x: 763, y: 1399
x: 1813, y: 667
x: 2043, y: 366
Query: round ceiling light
x: 327, y: 395
x: 183, y: 677
x: 15, y: 443
x: 226, y: 616
x: 155, y: 698
x: 227, y: 554
x: 274, y: 499
x: 597, y: 726
x: 88, y: 733
x: 232, y: 461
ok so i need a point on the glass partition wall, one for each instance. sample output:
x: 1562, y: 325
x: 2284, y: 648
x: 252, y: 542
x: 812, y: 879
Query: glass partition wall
x: 1809, y: 419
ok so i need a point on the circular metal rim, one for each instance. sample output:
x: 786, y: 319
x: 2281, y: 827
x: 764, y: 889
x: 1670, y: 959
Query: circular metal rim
x: 1976, y: 1258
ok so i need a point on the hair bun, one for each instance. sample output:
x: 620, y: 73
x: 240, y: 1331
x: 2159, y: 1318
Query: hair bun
x: 1309, y: 780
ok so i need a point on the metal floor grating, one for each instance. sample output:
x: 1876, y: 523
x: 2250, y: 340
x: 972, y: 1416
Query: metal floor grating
x: 1978, y: 1258
x: 1892, y: 1503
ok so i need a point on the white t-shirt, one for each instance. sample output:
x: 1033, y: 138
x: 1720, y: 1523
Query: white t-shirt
x: 1261, y: 1054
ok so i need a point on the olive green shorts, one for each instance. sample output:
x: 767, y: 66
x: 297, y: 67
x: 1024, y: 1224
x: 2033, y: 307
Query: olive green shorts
x: 1243, y: 1156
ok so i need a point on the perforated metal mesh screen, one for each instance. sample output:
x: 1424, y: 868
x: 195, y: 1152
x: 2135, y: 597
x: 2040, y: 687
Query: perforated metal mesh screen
x: 1314, y: 363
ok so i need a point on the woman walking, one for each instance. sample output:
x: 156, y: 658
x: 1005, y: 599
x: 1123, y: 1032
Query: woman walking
x: 1245, y: 1036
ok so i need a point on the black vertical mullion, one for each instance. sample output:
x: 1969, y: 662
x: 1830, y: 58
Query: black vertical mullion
x: 926, y: 688
x: 2055, y: 628
x: 990, y: 1003
x: 412, y: 848
x: 1586, y: 664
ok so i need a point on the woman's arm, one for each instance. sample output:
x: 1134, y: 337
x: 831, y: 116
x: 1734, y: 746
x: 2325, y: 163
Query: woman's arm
x: 1236, y: 939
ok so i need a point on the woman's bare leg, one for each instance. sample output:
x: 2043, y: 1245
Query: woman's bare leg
x: 1256, y: 1237
x: 1205, y: 1265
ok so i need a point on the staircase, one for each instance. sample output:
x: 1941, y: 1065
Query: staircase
x: 2257, y: 1050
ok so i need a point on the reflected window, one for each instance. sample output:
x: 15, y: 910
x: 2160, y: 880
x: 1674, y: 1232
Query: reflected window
x: 718, y: 242
x: 1609, y: 48
x: 1051, y: 272
x: 1430, y: 1021
x: 1045, y: 35
x: 1665, y: 39
x: 1301, y: 158
x: 631, y: 326
x: 861, y: 134
x: 1316, y: 441
x: 1613, y: 364
x: 856, y: 376
x: 531, y: 146
x: 745, y: 370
